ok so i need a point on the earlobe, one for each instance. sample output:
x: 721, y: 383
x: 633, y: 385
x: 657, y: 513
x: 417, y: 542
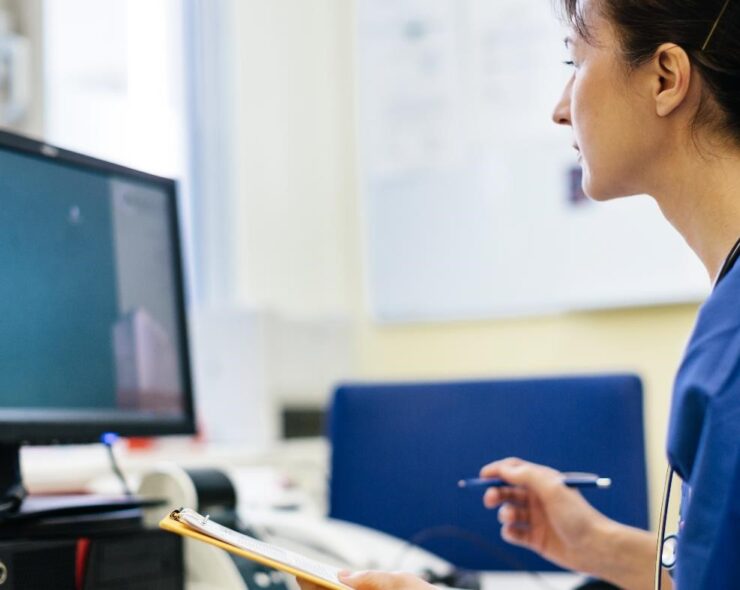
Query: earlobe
x: 672, y: 69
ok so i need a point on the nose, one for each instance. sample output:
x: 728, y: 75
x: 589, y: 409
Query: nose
x: 561, y: 114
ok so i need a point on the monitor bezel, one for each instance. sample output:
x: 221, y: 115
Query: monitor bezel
x: 49, y: 426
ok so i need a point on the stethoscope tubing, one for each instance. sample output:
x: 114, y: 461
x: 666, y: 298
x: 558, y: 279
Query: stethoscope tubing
x: 661, y: 532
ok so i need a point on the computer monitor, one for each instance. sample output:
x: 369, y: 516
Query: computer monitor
x: 93, y: 334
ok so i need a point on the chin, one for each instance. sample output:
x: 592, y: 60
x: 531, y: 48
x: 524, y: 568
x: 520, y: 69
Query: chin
x: 593, y: 190
x: 596, y: 195
x: 597, y: 189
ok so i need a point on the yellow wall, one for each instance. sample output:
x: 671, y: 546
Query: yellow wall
x: 648, y: 341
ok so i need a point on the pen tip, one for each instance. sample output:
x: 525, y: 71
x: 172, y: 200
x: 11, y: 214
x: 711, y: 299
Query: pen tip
x: 461, y: 483
x: 603, y: 482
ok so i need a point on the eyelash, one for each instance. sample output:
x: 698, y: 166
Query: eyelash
x: 570, y: 63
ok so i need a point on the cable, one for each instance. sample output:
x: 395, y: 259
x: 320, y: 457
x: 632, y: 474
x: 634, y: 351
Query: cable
x: 108, y: 439
x: 473, y: 538
x: 12, y: 501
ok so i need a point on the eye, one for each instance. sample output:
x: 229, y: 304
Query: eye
x: 570, y: 63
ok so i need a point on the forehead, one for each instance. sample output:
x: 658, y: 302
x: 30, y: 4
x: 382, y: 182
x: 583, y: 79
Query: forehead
x: 591, y: 29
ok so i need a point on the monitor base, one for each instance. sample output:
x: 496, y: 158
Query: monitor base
x: 69, y: 515
x: 12, y: 491
x: 18, y: 508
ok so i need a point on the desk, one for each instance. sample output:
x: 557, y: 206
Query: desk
x: 85, y: 467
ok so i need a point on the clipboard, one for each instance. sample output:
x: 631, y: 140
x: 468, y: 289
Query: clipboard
x: 189, y: 523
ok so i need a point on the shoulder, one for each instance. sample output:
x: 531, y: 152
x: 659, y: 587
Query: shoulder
x: 713, y: 352
x: 721, y: 311
x: 708, y: 380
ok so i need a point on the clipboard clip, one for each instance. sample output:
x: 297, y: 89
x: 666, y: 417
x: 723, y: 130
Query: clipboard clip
x: 175, y: 514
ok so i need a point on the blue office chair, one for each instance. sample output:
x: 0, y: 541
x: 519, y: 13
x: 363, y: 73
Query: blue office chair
x: 399, y: 449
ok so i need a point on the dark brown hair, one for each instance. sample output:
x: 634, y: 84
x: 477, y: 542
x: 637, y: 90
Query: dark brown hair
x: 643, y: 25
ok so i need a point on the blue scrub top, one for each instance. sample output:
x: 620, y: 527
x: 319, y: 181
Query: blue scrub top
x: 704, y: 443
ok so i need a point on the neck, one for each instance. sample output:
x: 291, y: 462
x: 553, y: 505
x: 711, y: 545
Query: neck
x: 699, y: 193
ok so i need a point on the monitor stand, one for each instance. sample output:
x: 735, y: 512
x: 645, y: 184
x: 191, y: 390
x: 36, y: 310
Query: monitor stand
x: 12, y: 491
x: 17, y: 506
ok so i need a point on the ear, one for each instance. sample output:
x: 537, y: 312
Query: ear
x: 671, y: 69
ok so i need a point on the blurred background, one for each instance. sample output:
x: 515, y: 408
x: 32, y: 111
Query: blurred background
x: 371, y: 189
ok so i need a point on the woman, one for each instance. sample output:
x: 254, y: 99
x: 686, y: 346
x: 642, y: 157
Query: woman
x: 654, y: 105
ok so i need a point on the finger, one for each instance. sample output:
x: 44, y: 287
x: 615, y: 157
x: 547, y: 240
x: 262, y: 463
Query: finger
x: 369, y: 580
x: 306, y: 585
x: 516, y: 535
x: 513, y: 515
x: 350, y: 578
x: 494, y: 469
x: 538, y: 478
x: 495, y: 496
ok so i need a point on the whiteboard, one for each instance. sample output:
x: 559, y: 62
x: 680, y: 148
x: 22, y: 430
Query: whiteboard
x: 467, y: 197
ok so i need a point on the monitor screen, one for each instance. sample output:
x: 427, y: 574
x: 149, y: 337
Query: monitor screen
x: 93, y: 335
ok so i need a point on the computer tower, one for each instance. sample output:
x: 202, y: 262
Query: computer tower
x: 142, y: 560
x: 37, y: 565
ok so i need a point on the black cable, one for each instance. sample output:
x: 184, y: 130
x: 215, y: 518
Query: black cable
x: 475, y: 539
x: 116, y: 469
x: 12, y: 501
x: 730, y: 261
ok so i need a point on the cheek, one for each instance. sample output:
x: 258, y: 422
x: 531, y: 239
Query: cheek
x: 585, y: 106
x: 613, y: 157
x: 596, y: 129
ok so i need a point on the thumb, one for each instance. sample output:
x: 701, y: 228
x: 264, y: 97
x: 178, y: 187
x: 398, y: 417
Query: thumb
x: 352, y: 579
x: 367, y: 580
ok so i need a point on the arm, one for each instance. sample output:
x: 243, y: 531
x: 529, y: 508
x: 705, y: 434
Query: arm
x: 625, y: 556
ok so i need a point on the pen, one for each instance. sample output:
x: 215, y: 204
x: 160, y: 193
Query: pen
x: 572, y: 480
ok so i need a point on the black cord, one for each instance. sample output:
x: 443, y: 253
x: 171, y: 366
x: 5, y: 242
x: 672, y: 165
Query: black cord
x: 12, y: 501
x: 475, y: 539
x: 117, y: 469
x: 730, y: 261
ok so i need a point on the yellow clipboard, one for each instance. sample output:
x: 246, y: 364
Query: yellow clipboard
x: 189, y: 523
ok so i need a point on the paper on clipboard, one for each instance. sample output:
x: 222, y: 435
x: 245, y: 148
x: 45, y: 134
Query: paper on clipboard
x: 189, y: 523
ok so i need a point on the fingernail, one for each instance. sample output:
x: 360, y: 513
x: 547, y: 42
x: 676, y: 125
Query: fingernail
x: 344, y: 574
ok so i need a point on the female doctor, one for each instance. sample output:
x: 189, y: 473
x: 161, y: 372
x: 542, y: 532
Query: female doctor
x: 654, y: 106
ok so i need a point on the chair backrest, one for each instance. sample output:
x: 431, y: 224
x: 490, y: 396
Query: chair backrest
x: 399, y: 449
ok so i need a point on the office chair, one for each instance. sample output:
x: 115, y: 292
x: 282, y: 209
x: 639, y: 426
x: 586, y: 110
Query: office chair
x: 399, y: 449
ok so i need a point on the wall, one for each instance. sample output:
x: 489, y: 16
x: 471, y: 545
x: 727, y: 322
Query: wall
x: 296, y: 156
x: 299, y: 243
x: 278, y: 243
x: 302, y: 236
x: 27, y: 20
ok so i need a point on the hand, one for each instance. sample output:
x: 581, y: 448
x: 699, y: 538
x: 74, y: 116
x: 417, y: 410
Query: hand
x: 544, y: 515
x: 375, y: 581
